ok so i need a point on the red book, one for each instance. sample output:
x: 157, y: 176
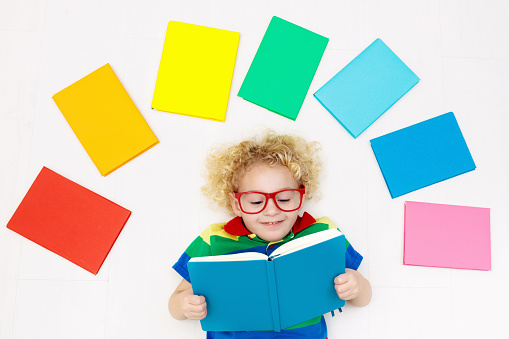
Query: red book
x: 69, y: 220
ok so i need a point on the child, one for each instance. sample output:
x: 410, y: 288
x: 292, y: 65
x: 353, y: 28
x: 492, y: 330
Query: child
x: 264, y: 183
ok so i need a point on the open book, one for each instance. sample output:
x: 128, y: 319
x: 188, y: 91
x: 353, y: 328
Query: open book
x: 254, y: 292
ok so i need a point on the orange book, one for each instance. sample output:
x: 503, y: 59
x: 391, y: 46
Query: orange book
x: 105, y: 119
x: 69, y: 220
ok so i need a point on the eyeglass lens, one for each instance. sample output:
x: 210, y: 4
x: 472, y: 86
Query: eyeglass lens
x: 285, y: 201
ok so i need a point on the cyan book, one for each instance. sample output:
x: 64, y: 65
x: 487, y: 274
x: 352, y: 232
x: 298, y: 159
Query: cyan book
x: 366, y: 88
x: 254, y: 292
x: 423, y: 154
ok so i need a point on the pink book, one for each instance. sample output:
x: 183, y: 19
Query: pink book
x: 448, y: 236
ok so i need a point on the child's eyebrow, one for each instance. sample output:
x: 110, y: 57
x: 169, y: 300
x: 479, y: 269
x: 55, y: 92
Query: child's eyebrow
x: 281, y: 189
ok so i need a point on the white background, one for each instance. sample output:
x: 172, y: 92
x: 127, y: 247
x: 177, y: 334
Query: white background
x: 460, y: 51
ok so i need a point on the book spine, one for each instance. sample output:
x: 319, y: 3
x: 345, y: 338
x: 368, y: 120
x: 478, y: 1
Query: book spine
x: 274, y: 303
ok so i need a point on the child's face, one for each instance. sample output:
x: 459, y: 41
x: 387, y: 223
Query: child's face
x: 271, y: 224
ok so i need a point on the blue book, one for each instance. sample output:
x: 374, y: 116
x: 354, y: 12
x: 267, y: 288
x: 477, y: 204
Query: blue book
x: 422, y: 154
x: 367, y: 87
x: 254, y: 292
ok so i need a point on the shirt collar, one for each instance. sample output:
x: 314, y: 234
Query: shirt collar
x: 236, y: 226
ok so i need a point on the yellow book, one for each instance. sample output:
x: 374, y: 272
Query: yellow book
x: 196, y: 71
x: 105, y: 119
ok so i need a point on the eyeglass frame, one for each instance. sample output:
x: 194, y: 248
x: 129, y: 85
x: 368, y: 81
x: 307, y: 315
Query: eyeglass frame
x: 272, y: 195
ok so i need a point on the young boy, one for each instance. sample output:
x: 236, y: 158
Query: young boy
x: 264, y: 183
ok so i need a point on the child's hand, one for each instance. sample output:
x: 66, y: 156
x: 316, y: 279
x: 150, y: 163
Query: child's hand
x: 193, y: 306
x: 348, y: 285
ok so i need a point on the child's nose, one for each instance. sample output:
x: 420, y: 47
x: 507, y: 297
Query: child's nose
x: 271, y: 208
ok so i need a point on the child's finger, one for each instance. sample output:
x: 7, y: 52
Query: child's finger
x: 342, y: 279
x: 346, y: 296
x: 196, y: 312
x: 343, y: 283
x: 340, y: 289
x: 197, y: 300
x: 343, y: 289
x: 347, y: 291
x: 198, y: 308
x: 197, y: 315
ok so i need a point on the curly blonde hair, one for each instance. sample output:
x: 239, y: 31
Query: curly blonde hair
x: 226, y: 165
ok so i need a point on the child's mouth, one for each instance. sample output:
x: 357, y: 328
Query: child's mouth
x: 272, y: 223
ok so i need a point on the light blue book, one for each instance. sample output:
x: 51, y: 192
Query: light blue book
x: 422, y: 154
x: 253, y: 292
x: 367, y: 87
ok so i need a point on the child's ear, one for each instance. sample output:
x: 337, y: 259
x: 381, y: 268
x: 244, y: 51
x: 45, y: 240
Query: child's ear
x: 235, y: 205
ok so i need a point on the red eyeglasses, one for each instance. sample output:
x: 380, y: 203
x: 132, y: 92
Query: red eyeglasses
x: 286, y: 200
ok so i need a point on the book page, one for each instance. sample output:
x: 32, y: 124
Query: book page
x: 306, y: 241
x: 232, y: 257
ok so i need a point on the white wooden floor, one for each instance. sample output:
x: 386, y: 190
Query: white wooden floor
x: 459, y: 49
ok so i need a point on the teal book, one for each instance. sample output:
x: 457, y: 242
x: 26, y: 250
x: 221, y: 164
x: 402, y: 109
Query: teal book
x: 283, y: 68
x: 366, y: 88
x: 254, y: 292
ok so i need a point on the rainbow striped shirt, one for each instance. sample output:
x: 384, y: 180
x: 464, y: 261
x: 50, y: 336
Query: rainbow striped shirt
x: 233, y: 237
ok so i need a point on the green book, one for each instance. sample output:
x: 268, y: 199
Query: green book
x: 283, y: 68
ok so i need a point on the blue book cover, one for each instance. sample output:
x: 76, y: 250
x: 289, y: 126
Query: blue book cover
x: 367, y: 87
x: 254, y: 292
x: 422, y: 154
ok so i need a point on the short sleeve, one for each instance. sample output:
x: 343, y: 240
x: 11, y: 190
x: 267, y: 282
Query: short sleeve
x: 181, y: 266
x: 352, y: 258
x: 198, y: 248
